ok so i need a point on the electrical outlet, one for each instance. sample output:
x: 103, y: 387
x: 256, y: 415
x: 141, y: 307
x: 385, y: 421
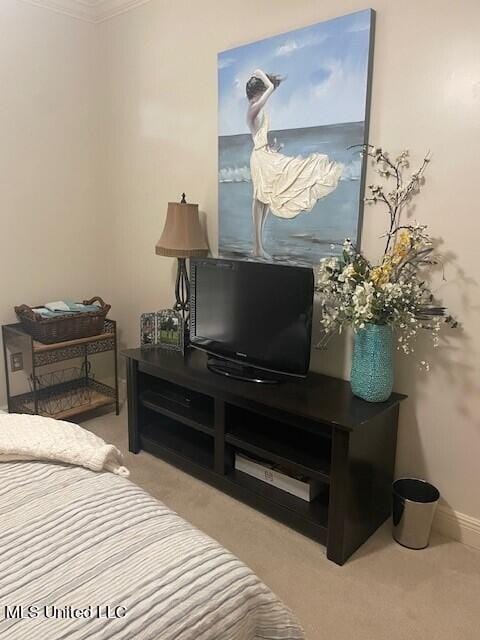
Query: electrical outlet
x: 16, y: 361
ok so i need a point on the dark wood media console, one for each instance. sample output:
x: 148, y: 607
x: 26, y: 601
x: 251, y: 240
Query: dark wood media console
x: 197, y: 420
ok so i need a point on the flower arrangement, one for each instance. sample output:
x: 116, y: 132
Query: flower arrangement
x: 395, y: 291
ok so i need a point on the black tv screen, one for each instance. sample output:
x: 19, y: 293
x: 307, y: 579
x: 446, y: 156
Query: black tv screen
x: 253, y: 313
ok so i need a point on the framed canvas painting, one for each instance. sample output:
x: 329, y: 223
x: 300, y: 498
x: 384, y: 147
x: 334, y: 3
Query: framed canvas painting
x: 293, y: 116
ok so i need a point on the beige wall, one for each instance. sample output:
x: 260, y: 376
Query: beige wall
x: 161, y: 127
x: 51, y: 228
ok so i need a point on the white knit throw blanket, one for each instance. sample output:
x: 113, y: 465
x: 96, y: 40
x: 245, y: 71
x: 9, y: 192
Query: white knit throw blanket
x: 26, y: 437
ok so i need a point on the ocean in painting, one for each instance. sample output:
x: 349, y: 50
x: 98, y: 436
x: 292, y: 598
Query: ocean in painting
x: 308, y: 237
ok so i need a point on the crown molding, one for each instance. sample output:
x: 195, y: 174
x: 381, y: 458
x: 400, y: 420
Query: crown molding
x: 80, y: 9
x: 94, y: 11
x: 106, y: 9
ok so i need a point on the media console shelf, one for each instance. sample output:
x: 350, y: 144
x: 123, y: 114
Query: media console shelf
x: 197, y: 420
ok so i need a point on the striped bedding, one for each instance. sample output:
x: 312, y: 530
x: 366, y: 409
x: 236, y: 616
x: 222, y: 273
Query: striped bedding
x: 88, y: 555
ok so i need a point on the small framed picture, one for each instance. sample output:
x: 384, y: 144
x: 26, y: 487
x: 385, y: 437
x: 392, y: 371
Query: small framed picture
x: 147, y: 330
x: 170, y: 330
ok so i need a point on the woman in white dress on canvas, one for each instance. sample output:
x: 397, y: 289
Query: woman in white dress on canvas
x: 284, y: 185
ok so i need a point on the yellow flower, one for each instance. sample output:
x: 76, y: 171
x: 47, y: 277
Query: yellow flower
x: 402, y: 246
x: 381, y: 275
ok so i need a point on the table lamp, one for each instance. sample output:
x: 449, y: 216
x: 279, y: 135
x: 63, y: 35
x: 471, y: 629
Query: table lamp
x: 182, y: 238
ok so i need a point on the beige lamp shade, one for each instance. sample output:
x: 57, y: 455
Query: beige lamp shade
x: 182, y: 235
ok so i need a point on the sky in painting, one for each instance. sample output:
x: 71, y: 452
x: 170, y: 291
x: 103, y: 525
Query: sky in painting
x: 325, y: 71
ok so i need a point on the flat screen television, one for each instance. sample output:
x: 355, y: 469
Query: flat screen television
x: 253, y: 319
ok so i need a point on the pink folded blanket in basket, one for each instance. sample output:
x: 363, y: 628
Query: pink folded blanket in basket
x: 26, y: 437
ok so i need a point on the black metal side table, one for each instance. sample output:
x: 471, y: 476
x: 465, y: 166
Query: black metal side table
x: 37, y: 385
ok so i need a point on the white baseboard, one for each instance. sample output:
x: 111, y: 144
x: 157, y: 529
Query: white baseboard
x: 458, y: 526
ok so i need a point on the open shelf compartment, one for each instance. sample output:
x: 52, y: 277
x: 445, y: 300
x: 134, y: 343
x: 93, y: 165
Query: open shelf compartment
x: 309, y: 453
x: 164, y: 398
x: 312, y: 517
x: 163, y: 435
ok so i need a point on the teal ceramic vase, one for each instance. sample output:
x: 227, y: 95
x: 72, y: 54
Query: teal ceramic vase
x: 372, y: 363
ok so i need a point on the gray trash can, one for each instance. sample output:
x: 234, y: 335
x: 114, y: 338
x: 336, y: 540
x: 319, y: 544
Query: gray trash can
x: 414, y: 504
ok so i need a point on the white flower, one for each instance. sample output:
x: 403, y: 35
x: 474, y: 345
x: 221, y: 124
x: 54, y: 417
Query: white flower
x: 349, y: 272
x: 323, y: 277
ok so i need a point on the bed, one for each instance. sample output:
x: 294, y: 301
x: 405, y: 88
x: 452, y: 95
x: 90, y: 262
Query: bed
x: 89, y: 555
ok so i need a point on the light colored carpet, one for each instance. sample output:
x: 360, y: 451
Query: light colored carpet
x: 384, y: 592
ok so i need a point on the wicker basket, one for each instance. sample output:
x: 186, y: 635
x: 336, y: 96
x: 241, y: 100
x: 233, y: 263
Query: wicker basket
x: 65, y: 327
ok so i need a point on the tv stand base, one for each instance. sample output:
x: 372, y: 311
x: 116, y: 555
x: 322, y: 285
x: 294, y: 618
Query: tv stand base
x: 240, y: 372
